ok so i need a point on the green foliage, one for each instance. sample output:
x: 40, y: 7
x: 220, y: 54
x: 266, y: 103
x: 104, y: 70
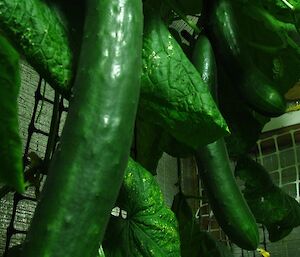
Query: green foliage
x: 37, y: 32
x: 173, y: 94
x: 11, y: 169
x: 150, y: 228
x: 271, y: 206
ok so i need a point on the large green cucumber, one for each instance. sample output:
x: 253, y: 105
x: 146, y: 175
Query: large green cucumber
x: 11, y: 169
x: 257, y: 89
x: 88, y: 167
x: 225, y: 198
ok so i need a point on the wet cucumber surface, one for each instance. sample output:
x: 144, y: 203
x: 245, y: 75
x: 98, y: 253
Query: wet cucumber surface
x: 88, y: 168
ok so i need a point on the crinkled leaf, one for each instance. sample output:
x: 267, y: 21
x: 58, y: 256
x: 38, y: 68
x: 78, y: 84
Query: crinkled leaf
x: 150, y: 229
x: 37, y: 32
x: 173, y: 95
x: 270, y: 205
x: 194, y: 242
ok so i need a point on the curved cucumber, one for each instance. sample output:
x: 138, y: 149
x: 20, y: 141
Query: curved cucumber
x: 259, y: 92
x: 11, y: 169
x: 88, y: 167
x: 225, y: 198
x: 262, y: 95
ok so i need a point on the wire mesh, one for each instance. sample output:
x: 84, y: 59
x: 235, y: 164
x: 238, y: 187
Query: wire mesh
x: 41, y: 113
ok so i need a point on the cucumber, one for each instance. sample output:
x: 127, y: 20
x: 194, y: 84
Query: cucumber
x: 225, y: 198
x: 39, y: 34
x: 204, y: 60
x: 271, y: 206
x: 257, y: 89
x: 88, y: 166
x: 11, y: 151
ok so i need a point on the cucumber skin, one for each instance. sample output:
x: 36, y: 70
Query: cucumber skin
x: 225, y: 198
x: 11, y: 150
x: 36, y: 32
x: 203, y: 58
x: 258, y: 90
x: 88, y: 167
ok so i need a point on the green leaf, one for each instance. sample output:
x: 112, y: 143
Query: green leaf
x: 194, y: 242
x: 11, y: 169
x: 270, y: 205
x: 173, y: 95
x: 150, y: 228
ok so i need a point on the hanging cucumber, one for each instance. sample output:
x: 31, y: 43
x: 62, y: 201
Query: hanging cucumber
x: 257, y: 89
x: 225, y: 198
x: 38, y: 33
x: 203, y: 58
x: 271, y: 206
x: 11, y: 171
x: 87, y: 170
